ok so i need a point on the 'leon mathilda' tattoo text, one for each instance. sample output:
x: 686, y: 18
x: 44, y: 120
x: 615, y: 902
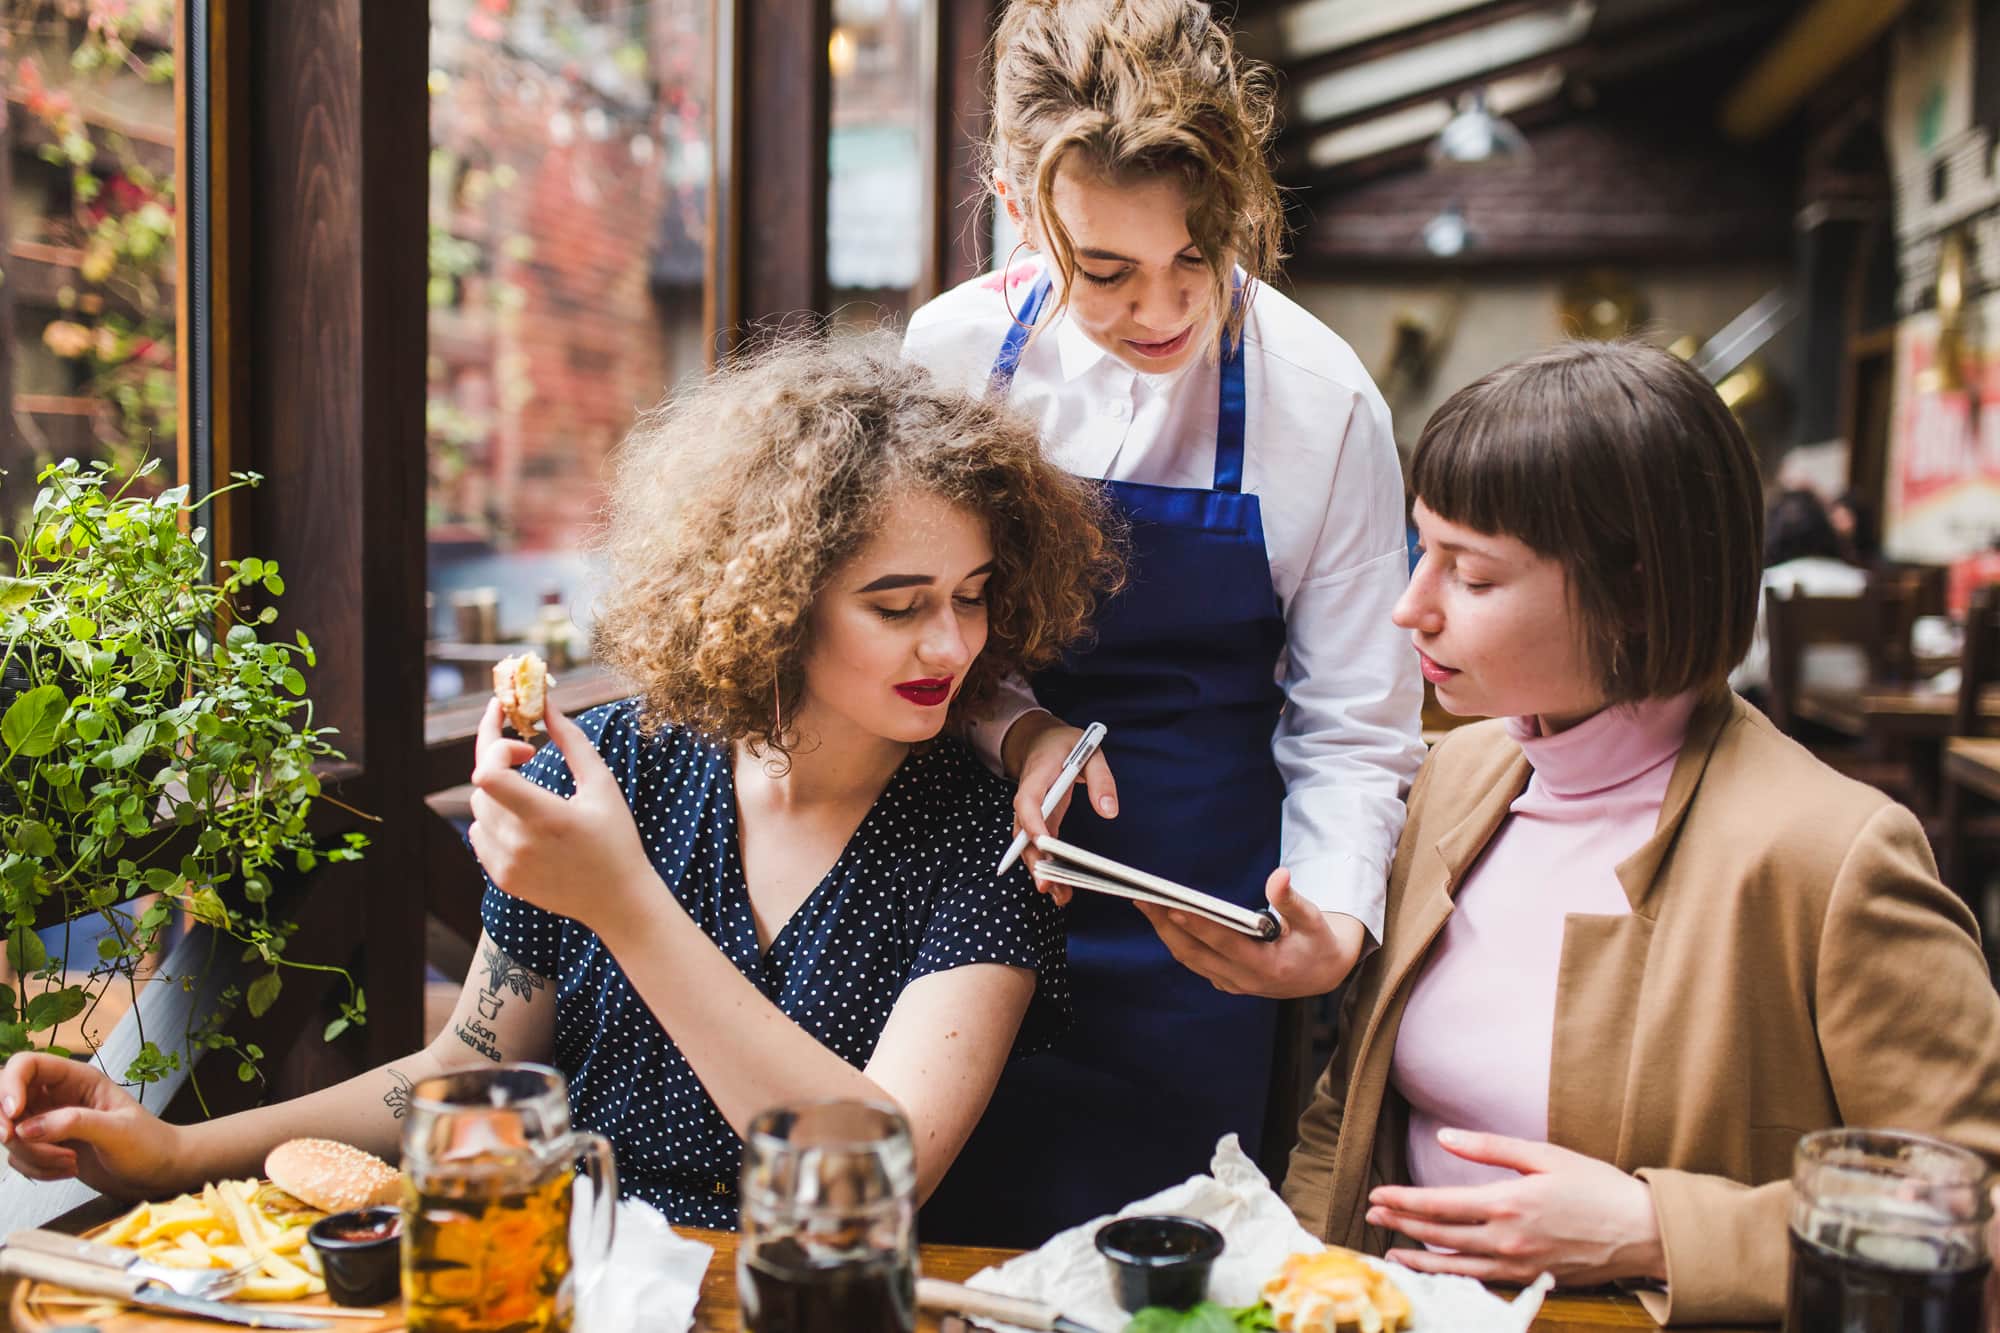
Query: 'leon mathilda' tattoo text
x: 502, y: 974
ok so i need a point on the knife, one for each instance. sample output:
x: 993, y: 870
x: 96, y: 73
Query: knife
x: 137, y: 1290
x: 935, y: 1294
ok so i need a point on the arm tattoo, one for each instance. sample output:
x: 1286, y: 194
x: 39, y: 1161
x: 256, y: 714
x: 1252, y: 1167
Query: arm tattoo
x: 397, y: 1098
x: 502, y: 974
x: 480, y: 1038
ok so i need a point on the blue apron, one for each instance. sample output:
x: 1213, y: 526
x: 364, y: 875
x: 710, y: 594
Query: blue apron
x: 1182, y: 671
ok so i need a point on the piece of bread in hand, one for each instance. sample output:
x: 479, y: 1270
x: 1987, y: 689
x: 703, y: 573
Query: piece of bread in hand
x: 522, y: 686
x: 332, y: 1176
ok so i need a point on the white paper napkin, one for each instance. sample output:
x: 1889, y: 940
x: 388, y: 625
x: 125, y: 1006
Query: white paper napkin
x: 652, y: 1280
x: 1260, y: 1233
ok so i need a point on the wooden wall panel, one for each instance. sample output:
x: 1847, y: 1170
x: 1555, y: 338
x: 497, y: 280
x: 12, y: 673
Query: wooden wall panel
x: 338, y: 152
x: 785, y: 90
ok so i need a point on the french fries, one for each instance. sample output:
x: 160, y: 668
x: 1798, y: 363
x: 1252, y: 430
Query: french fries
x: 230, y: 1224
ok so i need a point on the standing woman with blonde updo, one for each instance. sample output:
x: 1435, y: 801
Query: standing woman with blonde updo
x: 1262, y: 708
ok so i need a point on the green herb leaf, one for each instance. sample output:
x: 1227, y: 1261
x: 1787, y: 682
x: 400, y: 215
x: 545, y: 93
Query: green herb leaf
x: 17, y: 593
x: 34, y: 839
x: 30, y: 725
x: 263, y: 993
x: 52, y: 1007
x: 25, y: 953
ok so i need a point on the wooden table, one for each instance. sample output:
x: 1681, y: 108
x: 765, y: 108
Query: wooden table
x: 717, y: 1313
x: 1974, y: 765
x: 1890, y: 712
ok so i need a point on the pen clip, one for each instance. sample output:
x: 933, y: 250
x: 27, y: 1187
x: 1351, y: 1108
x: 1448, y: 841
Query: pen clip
x: 1085, y: 743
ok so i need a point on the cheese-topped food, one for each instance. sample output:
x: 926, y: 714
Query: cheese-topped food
x: 1333, y: 1291
x: 522, y: 686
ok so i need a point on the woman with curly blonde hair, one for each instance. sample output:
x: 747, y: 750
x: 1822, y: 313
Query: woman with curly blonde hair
x: 769, y: 876
x: 1249, y: 674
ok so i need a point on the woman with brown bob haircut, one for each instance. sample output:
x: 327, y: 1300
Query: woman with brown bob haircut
x: 1263, y: 715
x: 769, y: 877
x: 1638, y: 941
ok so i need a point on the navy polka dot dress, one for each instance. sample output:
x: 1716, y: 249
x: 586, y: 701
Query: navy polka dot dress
x: 913, y: 893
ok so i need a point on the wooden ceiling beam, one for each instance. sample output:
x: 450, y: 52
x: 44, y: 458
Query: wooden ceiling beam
x: 1819, y: 41
x: 1403, y: 39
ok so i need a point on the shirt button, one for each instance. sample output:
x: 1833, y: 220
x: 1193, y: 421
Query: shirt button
x: 1117, y: 409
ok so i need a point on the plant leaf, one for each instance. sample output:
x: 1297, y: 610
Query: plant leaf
x: 29, y: 727
x: 25, y: 952
x: 53, y: 1007
x: 34, y: 839
x: 263, y: 993
x: 17, y: 593
x: 206, y: 905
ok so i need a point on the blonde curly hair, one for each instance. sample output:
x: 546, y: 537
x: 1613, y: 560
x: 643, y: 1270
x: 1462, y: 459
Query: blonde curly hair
x: 734, y: 501
x: 1135, y: 89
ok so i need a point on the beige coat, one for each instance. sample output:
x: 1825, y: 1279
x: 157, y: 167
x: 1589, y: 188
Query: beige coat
x: 1791, y: 963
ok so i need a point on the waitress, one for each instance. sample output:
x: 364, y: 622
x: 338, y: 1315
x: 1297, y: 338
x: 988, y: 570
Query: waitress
x: 1263, y: 710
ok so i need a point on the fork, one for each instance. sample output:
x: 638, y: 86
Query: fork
x: 208, y: 1283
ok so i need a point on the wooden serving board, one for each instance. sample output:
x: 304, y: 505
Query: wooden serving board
x: 37, y: 1307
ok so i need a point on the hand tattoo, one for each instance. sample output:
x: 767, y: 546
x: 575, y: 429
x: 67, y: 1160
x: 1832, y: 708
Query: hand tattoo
x: 397, y: 1099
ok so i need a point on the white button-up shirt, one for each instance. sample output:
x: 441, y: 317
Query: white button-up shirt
x: 1321, y: 460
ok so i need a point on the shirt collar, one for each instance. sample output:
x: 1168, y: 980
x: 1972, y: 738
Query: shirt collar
x: 1078, y: 353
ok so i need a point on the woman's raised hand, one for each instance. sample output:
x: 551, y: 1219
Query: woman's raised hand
x: 579, y: 857
x: 1036, y: 748
x: 1316, y: 952
x: 61, y: 1118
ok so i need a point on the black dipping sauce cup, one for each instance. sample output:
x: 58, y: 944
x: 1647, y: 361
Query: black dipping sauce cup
x: 1159, y: 1260
x: 361, y: 1252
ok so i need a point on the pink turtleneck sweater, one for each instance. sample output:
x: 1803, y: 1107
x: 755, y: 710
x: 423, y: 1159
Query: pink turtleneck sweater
x: 1474, y: 1047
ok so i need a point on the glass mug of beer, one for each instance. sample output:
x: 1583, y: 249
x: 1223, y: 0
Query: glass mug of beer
x: 1888, y: 1234
x: 829, y: 1217
x: 488, y: 1158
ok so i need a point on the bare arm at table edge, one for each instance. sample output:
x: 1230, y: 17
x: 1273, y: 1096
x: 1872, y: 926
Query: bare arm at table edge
x: 938, y: 1058
x: 60, y: 1118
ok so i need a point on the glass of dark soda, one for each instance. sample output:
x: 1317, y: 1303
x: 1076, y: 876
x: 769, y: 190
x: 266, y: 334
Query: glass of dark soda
x: 1887, y: 1234
x: 829, y: 1242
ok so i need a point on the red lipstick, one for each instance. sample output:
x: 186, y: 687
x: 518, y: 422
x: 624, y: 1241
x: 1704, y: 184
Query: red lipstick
x: 928, y: 693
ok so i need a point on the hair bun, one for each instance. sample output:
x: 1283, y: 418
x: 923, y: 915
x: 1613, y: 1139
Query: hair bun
x: 332, y: 1176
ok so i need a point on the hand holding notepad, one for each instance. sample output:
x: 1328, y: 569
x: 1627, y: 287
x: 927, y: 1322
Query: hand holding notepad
x: 1068, y: 864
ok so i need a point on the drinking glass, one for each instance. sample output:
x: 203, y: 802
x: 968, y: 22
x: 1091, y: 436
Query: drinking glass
x: 829, y: 1212
x: 1887, y: 1234
x: 488, y: 1173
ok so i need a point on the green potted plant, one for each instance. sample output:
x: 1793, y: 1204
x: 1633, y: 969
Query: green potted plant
x: 157, y: 755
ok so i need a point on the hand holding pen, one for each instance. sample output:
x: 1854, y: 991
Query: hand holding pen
x: 1038, y: 808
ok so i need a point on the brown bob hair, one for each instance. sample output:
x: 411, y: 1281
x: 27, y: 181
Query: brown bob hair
x: 733, y: 502
x: 1620, y: 462
x: 1133, y: 89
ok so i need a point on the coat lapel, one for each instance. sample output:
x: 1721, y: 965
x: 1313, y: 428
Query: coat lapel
x: 1602, y: 975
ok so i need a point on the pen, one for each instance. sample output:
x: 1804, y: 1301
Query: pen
x: 1079, y: 755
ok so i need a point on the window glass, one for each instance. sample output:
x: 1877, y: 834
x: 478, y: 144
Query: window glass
x: 568, y: 221
x: 875, y: 198
x: 88, y: 139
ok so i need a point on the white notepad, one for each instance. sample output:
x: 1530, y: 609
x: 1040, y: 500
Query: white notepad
x: 1065, y: 863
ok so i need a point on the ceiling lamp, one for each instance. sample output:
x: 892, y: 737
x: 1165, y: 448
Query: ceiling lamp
x: 1474, y: 136
x: 1446, y: 235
